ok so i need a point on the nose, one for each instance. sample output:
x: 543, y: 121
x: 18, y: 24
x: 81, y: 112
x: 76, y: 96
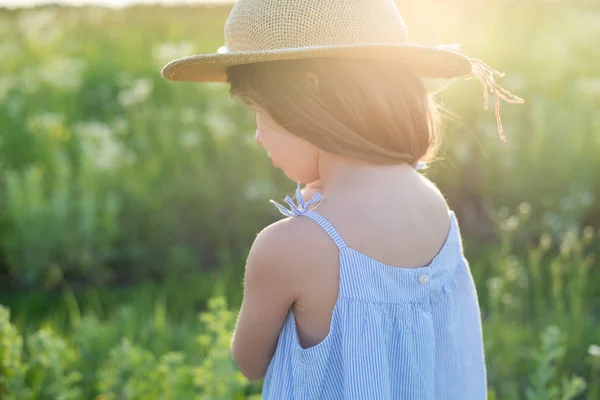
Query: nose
x: 258, y: 139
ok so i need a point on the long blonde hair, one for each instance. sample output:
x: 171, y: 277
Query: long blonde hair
x: 373, y: 111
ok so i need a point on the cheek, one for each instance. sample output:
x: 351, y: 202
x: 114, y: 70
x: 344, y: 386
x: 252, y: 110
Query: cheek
x: 297, y: 158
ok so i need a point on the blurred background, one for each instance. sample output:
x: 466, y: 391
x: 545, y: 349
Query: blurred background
x: 128, y: 204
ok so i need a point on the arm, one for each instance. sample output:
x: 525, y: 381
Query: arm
x: 270, y: 289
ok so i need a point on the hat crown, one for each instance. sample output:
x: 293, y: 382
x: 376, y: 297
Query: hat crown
x: 259, y: 25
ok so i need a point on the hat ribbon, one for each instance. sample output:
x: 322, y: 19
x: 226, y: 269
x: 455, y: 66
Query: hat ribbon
x: 486, y: 74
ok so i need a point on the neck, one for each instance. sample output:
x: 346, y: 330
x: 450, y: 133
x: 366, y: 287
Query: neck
x: 343, y: 175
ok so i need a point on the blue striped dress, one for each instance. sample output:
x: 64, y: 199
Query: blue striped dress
x: 396, y: 333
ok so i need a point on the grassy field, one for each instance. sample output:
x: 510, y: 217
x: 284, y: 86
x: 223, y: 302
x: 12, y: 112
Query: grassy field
x: 129, y: 203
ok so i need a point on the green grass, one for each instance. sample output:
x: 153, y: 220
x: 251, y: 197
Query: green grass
x: 128, y: 202
x: 540, y: 322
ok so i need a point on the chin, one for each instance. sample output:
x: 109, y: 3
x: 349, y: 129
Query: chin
x: 302, y: 177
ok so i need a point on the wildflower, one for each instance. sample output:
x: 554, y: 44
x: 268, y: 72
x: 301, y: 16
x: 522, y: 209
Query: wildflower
x: 594, y: 350
x: 569, y: 242
x: 109, y: 155
x: 545, y: 241
x: 524, y: 209
x: 503, y: 213
x: 98, y: 141
x: 62, y: 72
x: 93, y: 130
x: 509, y: 300
x: 510, y: 224
x: 495, y: 286
x: 588, y: 233
x: 34, y: 23
x: 512, y: 268
x: 139, y: 92
x: 166, y: 52
x: 47, y: 122
x: 565, y: 249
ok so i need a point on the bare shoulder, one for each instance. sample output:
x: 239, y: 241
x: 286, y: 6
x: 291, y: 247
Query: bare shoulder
x: 434, y: 191
x: 292, y: 244
x: 435, y: 207
x: 276, y: 277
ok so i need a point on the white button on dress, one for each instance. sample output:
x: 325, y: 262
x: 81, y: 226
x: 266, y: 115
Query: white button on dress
x: 424, y: 279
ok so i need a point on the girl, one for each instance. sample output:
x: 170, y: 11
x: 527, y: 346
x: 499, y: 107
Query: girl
x: 363, y: 292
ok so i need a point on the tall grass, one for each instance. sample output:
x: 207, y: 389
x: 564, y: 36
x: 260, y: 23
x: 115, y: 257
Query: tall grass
x: 109, y: 174
x: 143, y: 197
x: 541, y: 336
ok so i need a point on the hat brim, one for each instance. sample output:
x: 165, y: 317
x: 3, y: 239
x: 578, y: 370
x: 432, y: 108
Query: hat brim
x: 425, y: 61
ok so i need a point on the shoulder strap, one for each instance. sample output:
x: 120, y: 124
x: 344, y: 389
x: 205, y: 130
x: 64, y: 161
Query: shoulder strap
x: 327, y: 227
x: 302, y: 208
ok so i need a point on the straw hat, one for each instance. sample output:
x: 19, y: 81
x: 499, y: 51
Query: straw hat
x: 270, y: 30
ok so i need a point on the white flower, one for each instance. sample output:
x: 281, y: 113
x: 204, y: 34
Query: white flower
x: 503, y: 213
x: 35, y: 21
x: 512, y: 268
x: 62, y: 72
x: 594, y: 350
x: 509, y: 300
x: 545, y: 241
x: 99, y: 143
x: 570, y: 238
x: 40, y: 26
x: 45, y: 121
x: 511, y: 223
x: 524, y: 208
x: 495, y: 286
x: 93, y: 130
x: 142, y: 89
x: 588, y: 232
x: 108, y: 155
x: 139, y: 92
x: 163, y: 53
